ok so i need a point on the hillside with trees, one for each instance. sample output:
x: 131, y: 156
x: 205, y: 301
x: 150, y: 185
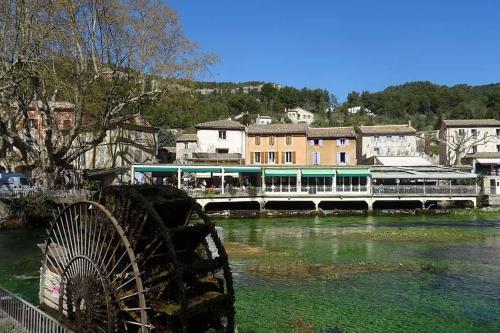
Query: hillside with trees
x: 424, y: 103
x: 203, y: 101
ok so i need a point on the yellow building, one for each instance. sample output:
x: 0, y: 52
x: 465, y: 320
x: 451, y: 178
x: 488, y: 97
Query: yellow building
x: 277, y: 144
x: 331, y: 146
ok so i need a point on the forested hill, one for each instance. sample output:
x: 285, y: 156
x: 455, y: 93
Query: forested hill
x: 191, y: 103
x: 424, y: 103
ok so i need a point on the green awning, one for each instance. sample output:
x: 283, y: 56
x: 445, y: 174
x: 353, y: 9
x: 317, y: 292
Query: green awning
x: 318, y: 172
x: 243, y: 170
x: 360, y: 172
x: 281, y: 172
x: 198, y: 170
x: 155, y: 169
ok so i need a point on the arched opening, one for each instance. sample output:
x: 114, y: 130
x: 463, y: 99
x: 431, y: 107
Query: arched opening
x: 290, y: 205
x: 407, y: 204
x: 343, y: 205
x: 229, y: 205
x: 3, y: 169
x: 463, y: 203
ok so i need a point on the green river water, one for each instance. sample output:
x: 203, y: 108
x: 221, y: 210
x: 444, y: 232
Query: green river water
x: 348, y: 274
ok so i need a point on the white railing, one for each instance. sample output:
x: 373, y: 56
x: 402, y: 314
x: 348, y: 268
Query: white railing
x: 17, y: 315
x: 381, y: 190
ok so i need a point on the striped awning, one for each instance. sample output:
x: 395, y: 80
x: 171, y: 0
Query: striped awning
x: 355, y: 172
x: 155, y: 169
x: 242, y: 170
x: 281, y: 172
x: 201, y: 170
x: 318, y: 173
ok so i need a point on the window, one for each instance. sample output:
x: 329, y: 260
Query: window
x: 376, y: 151
x: 186, y: 145
x: 401, y: 138
x: 288, y: 139
x: 257, y: 140
x: 82, y: 160
x: 461, y: 132
x: 186, y: 156
x: 376, y: 138
x: 474, y: 132
x: 138, y: 156
x: 498, y: 132
x: 100, y: 155
x: 474, y: 149
x: 498, y: 148
x: 342, y: 158
x: 33, y: 123
x: 388, y: 138
x: 222, y: 150
x: 316, y: 158
x: 256, y: 157
x: 272, y: 157
x: 288, y: 157
x: 222, y: 135
x: 138, y: 135
x: 342, y: 142
x: 66, y: 124
x: 272, y: 140
x: 316, y: 142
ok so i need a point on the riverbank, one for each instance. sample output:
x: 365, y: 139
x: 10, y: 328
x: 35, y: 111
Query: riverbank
x: 340, y: 212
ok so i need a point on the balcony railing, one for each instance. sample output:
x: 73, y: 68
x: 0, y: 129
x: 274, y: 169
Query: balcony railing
x: 390, y: 190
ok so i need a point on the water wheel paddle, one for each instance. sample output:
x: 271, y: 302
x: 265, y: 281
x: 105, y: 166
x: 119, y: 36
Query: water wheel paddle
x: 135, y: 260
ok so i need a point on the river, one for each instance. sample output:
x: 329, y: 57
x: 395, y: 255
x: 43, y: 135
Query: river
x: 340, y: 274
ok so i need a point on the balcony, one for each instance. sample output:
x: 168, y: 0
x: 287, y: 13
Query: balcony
x: 217, y: 157
x: 431, y: 190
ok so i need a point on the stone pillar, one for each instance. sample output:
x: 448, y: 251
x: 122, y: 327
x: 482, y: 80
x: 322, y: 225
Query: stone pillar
x: 222, y: 181
x: 179, y: 176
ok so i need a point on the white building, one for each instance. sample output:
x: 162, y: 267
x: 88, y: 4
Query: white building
x: 466, y: 137
x: 386, y: 140
x: 222, y: 141
x: 263, y: 120
x: 358, y: 109
x: 300, y: 115
x: 185, y: 145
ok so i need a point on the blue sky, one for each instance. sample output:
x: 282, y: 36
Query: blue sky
x: 347, y: 45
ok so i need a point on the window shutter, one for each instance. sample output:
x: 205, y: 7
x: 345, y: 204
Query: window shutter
x: 338, y: 158
x: 338, y: 142
x: 283, y: 158
x: 320, y: 142
x: 311, y: 142
x: 346, y: 142
x: 347, y: 158
x: 252, y: 157
x: 318, y: 158
x: 294, y: 160
x: 373, y: 139
x: 264, y: 158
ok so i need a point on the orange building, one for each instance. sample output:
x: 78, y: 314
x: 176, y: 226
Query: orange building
x: 276, y: 144
x: 331, y: 146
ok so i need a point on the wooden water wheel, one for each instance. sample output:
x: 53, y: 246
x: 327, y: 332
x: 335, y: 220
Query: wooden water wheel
x: 135, y: 260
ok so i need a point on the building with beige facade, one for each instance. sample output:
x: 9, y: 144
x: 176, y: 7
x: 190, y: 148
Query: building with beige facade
x: 130, y: 140
x: 331, y: 146
x: 185, y: 145
x: 460, y: 139
x: 385, y: 140
x: 277, y: 144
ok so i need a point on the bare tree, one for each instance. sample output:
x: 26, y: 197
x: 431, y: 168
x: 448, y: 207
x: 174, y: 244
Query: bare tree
x: 461, y: 143
x: 107, y: 57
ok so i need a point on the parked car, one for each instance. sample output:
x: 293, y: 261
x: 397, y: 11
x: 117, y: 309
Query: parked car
x: 14, y: 182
